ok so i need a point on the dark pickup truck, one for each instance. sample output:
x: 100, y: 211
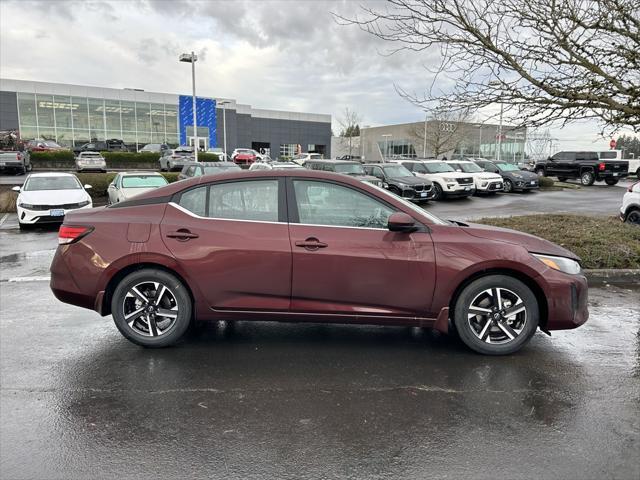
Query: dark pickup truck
x: 587, y: 166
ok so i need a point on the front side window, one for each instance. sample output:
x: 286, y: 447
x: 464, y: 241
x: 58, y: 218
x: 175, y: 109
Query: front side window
x: 324, y: 203
x: 191, y: 171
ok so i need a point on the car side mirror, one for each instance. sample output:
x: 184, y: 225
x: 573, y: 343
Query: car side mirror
x: 16, y: 189
x: 401, y: 222
x: 88, y: 187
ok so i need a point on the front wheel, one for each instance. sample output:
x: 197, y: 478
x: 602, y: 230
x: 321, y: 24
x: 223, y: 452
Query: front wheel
x: 508, y: 186
x: 496, y: 315
x: 611, y: 181
x: 437, y: 192
x: 587, y: 179
x: 633, y: 217
x: 151, y: 308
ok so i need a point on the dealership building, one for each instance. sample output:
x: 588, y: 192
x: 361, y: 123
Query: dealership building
x: 73, y: 114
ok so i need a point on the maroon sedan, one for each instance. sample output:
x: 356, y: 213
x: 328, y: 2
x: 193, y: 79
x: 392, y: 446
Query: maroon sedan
x: 309, y: 246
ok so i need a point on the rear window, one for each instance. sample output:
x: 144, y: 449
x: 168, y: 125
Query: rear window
x: 143, y: 181
x: 604, y: 155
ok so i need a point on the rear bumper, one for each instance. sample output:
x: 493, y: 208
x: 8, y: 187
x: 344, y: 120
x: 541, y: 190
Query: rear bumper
x: 63, y: 286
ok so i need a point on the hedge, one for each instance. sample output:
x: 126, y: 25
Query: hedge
x: 119, y: 160
x: 546, y: 182
x: 100, y: 181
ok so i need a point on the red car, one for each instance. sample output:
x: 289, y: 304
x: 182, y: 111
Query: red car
x: 297, y: 245
x: 244, y: 157
x: 43, y: 146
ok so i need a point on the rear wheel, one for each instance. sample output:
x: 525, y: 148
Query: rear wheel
x: 151, y: 308
x: 496, y: 315
x: 610, y: 181
x: 587, y: 179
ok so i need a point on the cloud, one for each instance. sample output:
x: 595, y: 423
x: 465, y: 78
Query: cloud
x: 286, y: 55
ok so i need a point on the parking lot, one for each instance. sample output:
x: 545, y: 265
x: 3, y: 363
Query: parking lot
x: 277, y: 400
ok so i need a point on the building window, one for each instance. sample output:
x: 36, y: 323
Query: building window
x: 44, y: 108
x: 27, y: 114
x: 397, y: 148
x: 288, y: 149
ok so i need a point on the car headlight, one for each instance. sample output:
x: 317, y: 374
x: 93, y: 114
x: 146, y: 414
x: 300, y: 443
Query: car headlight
x: 84, y: 204
x: 28, y: 206
x: 562, y: 264
x: 449, y: 180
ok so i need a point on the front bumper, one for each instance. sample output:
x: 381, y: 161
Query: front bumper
x: 457, y: 190
x: 567, y: 300
x: 525, y: 185
x: 40, y: 217
x: 491, y: 186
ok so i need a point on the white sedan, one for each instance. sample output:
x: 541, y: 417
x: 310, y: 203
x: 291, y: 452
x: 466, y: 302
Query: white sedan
x: 129, y: 184
x: 630, y: 209
x: 46, y: 198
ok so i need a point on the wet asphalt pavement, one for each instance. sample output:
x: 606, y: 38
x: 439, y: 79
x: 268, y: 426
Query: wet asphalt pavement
x: 276, y: 400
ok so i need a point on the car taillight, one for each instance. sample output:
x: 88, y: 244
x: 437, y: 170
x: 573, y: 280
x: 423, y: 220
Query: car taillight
x: 601, y: 167
x: 71, y: 234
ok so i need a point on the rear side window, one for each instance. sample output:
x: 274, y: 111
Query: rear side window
x: 255, y: 200
x: 608, y: 155
x: 195, y: 200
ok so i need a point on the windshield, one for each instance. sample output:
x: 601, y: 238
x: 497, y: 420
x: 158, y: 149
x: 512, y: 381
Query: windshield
x: 397, y: 171
x: 438, y: 167
x: 143, y: 181
x: 218, y: 169
x: 50, y: 143
x: 469, y: 167
x: 507, y: 167
x: 349, y: 168
x: 51, y: 183
x: 184, y: 153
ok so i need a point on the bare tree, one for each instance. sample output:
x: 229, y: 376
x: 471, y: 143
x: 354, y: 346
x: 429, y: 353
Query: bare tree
x: 444, y: 132
x: 350, y: 125
x: 546, y: 60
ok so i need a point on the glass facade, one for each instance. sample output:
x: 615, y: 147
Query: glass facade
x: 72, y: 121
x: 397, y: 148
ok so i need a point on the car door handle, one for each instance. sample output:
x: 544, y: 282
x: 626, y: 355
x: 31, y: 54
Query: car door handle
x: 182, y: 235
x: 311, y: 244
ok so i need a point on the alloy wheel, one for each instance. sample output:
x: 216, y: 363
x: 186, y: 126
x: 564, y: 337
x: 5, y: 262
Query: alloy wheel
x: 508, y: 186
x: 497, y: 316
x: 150, y: 309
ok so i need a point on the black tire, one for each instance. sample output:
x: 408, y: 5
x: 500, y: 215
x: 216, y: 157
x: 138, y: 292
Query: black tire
x: 29, y: 167
x: 179, y: 295
x: 562, y: 179
x: 633, y: 217
x: 437, y: 192
x: 638, y: 174
x: 508, y: 186
x: 587, y: 178
x: 467, y: 328
x: 611, y: 181
x: 395, y: 191
x: 24, y: 226
x: 540, y: 172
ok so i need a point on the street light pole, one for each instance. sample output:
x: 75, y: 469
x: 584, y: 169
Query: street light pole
x: 192, y: 58
x: 224, y: 125
x: 479, y: 125
x: 498, y: 153
x: 424, y: 146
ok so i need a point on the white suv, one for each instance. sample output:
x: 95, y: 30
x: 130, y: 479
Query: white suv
x: 630, y: 209
x: 485, y: 182
x: 446, y: 181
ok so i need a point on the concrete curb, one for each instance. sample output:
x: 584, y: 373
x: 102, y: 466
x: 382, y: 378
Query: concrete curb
x: 619, y: 276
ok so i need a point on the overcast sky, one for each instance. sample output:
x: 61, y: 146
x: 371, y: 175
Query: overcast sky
x: 282, y: 55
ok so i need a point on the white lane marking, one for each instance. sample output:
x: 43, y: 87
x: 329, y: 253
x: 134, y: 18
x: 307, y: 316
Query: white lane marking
x: 36, y: 278
x: 4, y: 218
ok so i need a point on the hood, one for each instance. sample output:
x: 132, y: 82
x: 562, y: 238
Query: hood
x: 532, y: 243
x: 487, y: 176
x: 127, y: 193
x: 54, y: 197
x: 411, y: 180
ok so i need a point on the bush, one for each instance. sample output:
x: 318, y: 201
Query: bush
x: 114, y: 159
x: 601, y: 242
x: 55, y: 159
x: 546, y: 182
x: 8, y: 201
x: 99, y: 182
x: 171, y: 176
x: 208, y: 157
